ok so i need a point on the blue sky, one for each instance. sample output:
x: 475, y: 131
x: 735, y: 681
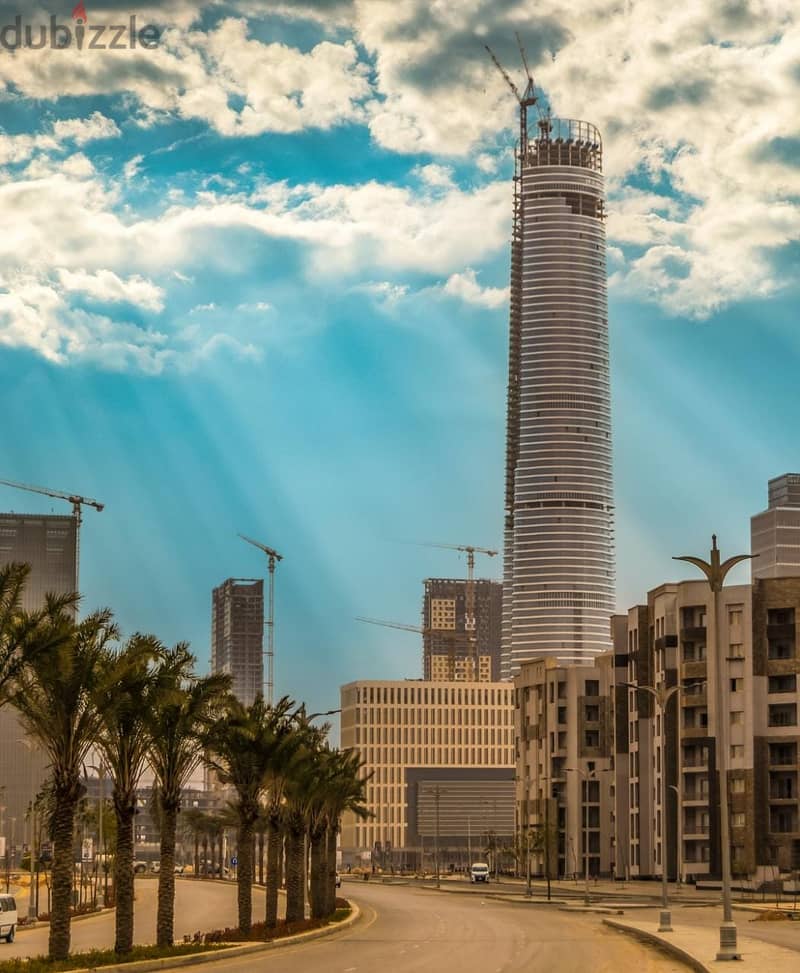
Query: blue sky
x: 255, y: 281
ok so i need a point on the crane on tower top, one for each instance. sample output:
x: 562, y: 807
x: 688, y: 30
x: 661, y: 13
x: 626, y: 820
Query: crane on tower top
x: 77, y: 501
x: 272, y: 558
x: 528, y: 99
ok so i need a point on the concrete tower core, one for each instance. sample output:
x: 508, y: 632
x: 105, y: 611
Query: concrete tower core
x: 559, y: 535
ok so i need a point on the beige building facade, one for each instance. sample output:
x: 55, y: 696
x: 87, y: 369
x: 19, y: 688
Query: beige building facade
x: 424, y: 743
x: 565, y: 785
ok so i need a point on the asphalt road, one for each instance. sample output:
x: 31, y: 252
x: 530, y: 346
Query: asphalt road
x: 405, y: 929
x: 198, y: 906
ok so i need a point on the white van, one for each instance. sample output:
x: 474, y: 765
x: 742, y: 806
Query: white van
x: 479, y: 872
x: 8, y: 917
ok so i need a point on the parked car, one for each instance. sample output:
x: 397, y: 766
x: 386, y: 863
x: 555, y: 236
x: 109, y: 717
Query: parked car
x: 155, y: 867
x: 479, y: 872
x: 139, y: 867
x: 8, y: 917
x: 179, y: 869
x: 338, y: 881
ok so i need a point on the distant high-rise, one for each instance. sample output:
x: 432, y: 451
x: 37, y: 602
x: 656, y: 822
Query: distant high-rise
x: 444, y: 614
x: 237, y: 635
x: 775, y: 533
x: 48, y: 544
x: 558, y: 586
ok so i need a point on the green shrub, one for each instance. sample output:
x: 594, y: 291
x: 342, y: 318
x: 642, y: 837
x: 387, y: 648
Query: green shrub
x: 100, y: 957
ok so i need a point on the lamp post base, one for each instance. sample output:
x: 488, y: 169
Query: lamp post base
x: 728, y: 949
x: 665, y: 921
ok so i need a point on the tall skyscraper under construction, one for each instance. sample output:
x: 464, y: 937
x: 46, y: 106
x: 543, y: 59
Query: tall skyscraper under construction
x: 558, y: 585
x: 447, y: 654
x: 237, y: 635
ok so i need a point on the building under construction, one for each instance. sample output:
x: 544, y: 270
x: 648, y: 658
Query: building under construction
x: 559, y: 542
x: 237, y: 635
x: 447, y: 652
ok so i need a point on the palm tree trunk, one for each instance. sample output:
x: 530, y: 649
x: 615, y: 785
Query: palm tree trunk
x: 205, y: 856
x: 125, y: 809
x: 261, y: 856
x: 214, y: 857
x: 221, y: 854
x: 330, y: 883
x: 196, y: 854
x: 318, y: 876
x: 165, y: 921
x: 244, y: 875
x: 64, y: 825
x: 295, y: 875
x: 274, y: 846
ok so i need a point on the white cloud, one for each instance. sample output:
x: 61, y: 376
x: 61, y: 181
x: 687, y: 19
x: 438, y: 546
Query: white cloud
x: 465, y: 287
x: 106, y: 286
x: 260, y: 306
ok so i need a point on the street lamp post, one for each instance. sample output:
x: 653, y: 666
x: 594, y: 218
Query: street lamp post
x: 679, y: 835
x: 715, y: 571
x: 662, y: 696
x: 33, y: 861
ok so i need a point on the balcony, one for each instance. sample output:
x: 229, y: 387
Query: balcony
x: 696, y: 832
x: 694, y: 698
x: 694, y: 669
x: 695, y: 796
x: 695, y: 633
x: 785, y: 631
x: 694, y: 732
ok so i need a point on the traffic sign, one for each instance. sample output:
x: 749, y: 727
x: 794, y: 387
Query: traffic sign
x: 234, y: 861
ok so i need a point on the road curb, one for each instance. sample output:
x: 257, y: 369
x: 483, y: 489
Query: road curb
x: 232, y: 952
x: 652, y: 939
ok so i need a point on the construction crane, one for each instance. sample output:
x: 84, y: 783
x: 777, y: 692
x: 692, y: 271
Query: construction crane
x: 528, y: 99
x: 272, y: 558
x: 451, y: 637
x: 469, y: 613
x: 77, y: 501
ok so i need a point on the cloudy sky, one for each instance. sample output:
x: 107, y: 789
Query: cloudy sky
x: 255, y: 280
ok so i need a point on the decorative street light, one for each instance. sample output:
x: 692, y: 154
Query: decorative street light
x: 662, y: 696
x: 679, y: 835
x: 715, y: 571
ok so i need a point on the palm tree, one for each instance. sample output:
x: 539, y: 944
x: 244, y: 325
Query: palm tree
x: 185, y: 704
x: 242, y: 747
x: 301, y: 788
x: 18, y: 628
x: 55, y: 694
x: 130, y: 690
x: 193, y: 824
x: 346, y: 790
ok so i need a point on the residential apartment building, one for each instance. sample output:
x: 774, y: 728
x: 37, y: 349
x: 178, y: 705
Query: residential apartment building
x: 776, y: 664
x: 237, y: 635
x: 775, y: 533
x: 565, y: 782
x: 425, y: 744
x: 447, y: 653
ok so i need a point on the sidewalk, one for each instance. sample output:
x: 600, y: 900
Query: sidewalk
x: 697, y: 946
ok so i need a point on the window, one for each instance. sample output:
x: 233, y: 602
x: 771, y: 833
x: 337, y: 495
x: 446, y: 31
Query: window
x: 592, y: 738
x: 780, y: 649
x: 734, y: 617
x: 783, y: 684
x: 592, y: 687
x: 592, y: 714
x: 737, y: 751
x: 736, y: 650
x: 737, y: 685
x: 738, y: 785
x: 737, y: 716
x: 783, y: 714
